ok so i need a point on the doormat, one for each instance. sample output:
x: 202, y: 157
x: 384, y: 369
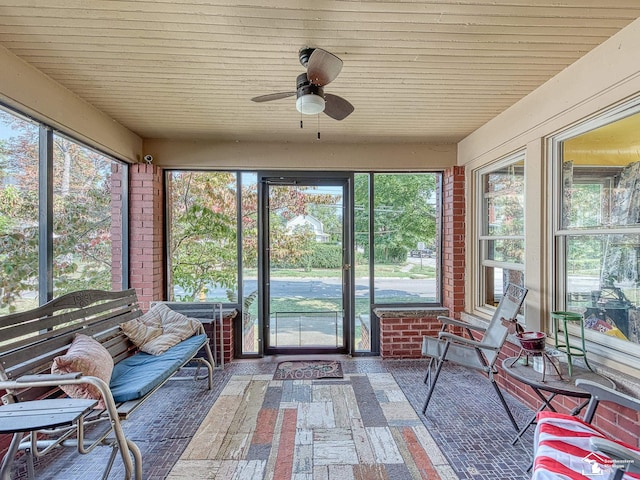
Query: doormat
x: 308, y: 369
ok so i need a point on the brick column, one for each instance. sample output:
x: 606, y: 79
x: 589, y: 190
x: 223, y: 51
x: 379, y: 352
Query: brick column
x: 146, y: 197
x: 453, y: 240
x: 227, y: 337
x: 116, y: 226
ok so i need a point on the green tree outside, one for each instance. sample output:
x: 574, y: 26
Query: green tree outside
x: 81, y: 223
x: 404, y: 214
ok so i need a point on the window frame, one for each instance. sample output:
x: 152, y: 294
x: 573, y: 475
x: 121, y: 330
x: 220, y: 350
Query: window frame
x: 608, y: 350
x: 482, y: 236
x: 45, y: 203
x: 437, y: 302
x: 167, y: 181
x: 260, y: 173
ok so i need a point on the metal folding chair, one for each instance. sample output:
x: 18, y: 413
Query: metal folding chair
x: 470, y: 352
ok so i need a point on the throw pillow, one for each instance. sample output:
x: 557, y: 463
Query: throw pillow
x: 152, y: 316
x: 89, y: 357
x: 164, y: 329
x: 140, y: 333
x: 178, y: 324
x: 161, y: 344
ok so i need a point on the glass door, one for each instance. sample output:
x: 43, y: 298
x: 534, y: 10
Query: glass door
x: 306, y: 274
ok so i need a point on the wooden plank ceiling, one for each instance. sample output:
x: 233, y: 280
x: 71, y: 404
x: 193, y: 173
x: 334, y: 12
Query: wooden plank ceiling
x: 416, y: 71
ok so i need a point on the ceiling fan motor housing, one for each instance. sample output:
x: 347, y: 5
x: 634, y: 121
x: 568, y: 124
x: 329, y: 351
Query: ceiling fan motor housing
x: 305, y: 87
x: 309, y: 97
x: 304, y: 54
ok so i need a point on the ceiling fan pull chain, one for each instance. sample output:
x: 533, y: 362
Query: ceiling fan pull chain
x: 318, y: 126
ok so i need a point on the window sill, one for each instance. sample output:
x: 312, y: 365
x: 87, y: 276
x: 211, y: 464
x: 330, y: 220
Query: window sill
x: 409, y: 312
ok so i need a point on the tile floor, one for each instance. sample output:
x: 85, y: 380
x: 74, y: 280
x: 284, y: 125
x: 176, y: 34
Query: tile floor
x: 464, y: 418
x: 359, y: 427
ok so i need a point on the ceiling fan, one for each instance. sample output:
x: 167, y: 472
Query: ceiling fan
x: 322, y: 68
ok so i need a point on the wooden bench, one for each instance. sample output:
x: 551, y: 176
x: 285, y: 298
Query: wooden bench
x: 571, y: 448
x: 29, y: 342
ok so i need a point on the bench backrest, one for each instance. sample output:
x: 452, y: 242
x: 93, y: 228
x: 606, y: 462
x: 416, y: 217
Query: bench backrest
x: 204, y: 311
x: 29, y: 341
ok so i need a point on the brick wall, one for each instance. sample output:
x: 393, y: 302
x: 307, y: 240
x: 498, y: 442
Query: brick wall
x: 620, y: 423
x: 401, y: 332
x: 146, y: 197
x: 227, y: 339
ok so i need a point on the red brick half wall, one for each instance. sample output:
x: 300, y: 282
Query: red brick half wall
x: 401, y: 330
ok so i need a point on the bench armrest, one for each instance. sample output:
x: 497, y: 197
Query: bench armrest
x: 600, y: 393
x: 48, y: 376
x: 459, y: 323
x: 623, y: 458
x: 451, y: 337
x: 54, y: 379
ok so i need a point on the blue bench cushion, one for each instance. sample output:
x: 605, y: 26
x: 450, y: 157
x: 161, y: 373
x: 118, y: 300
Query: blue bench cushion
x: 137, y: 375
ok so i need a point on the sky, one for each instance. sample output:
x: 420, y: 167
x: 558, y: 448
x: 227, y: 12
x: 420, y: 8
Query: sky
x: 5, y: 132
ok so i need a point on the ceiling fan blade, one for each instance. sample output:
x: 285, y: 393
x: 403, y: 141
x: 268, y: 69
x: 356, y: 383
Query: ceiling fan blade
x: 272, y: 96
x: 337, y: 107
x: 323, y: 67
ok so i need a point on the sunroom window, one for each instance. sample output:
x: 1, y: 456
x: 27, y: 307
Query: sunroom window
x: 86, y: 214
x: 62, y: 215
x: 598, y: 226
x: 501, y: 238
x: 19, y: 228
x: 299, y: 251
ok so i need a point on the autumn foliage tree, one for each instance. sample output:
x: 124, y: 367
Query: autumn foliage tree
x: 81, y: 214
x: 203, y: 225
x: 203, y: 239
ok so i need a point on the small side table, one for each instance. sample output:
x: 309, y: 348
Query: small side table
x: 22, y: 417
x: 548, y: 389
x: 566, y: 347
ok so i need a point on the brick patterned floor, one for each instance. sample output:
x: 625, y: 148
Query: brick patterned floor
x: 464, y: 418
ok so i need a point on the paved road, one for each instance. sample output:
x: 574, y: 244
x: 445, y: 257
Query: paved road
x: 419, y: 290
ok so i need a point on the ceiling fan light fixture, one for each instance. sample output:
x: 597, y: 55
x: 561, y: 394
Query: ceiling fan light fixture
x: 310, y: 104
